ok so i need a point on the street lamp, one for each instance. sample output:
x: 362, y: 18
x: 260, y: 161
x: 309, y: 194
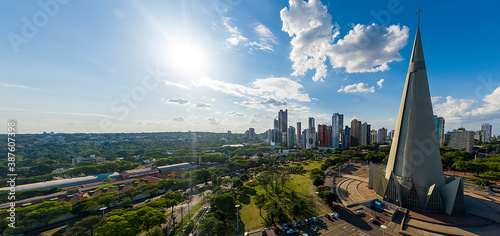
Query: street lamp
x: 317, y: 195
x: 102, y: 209
x: 237, y: 217
x: 383, y: 229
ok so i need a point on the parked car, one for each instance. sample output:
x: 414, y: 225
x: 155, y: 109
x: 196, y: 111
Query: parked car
x: 302, y: 223
x: 291, y: 231
x: 358, y: 213
x: 306, y: 221
x: 264, y: 232
x: 285, y: 226
x: 245, y: 234
x: 371, y: 220
x: 332, y: 216
x: 275, y: 229
x: 336, y: 214
x: 295, y: 224
x: 314, y: 219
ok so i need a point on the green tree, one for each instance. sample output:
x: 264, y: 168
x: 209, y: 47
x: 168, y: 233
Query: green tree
x: 260, y: 202
x: 155, y: 231
x: 211, y: 226
x: 86, y: 226
x: 224, y: 202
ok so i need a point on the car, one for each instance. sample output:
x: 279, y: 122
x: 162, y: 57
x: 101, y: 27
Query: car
x: 371, y: 220
x: 491, y: 194
x: 264, y: 232
x: 245, y: 234
x: 307, y: 221
x: 477, y: 189
x: 285, y: 226
x: 358, y: 213
x: 291, y: 231
x: 331, y: 215
x: 466, y: 187
x: 275, y: 229
x: 336, y: 214
x: 302, y: 223
x: 295, y: 224
x: 304, y: 234
x: 314, y: 219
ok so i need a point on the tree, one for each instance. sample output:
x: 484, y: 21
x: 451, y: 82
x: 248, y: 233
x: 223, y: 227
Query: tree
x: 224, y: 202
x: 87, y: 226
x: 237, y: 183
x: 211, y: 226
x: 155, y: 231
x: 116, y: 225
x: 460, y: 166
x: 260, y: 202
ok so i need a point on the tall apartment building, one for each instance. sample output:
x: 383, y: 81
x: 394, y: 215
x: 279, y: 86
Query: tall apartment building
x: 365, y: 134
x: 439, y: 129
x: 337, y: 125
x: 382, y: 135
x: 325, y: 135
x: 487, y: 128
x: 282, y: 125
x: 290, y: 141
x: 299, y: 134
x: 374, y: 136
x: 311, y: 123
x: 462, y: 139
x: 355, y: 133
x: 346, y: 137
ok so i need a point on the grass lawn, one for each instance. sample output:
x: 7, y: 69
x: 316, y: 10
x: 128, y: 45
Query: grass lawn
x: 250, y: 219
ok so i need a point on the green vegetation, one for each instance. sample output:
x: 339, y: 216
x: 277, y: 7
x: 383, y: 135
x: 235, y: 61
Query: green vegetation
x: 29, y: 193
x: 105, y: 186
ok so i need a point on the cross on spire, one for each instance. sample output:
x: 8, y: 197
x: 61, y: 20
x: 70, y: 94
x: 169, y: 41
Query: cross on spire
x: 418, y: 13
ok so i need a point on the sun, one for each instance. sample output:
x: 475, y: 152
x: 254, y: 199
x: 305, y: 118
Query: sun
x: 186, y: 57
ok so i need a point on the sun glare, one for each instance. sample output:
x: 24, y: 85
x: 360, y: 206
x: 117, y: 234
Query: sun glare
x: 186, y: 57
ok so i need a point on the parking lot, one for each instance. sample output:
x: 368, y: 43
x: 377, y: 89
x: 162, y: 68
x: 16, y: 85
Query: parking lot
x: 347, y: 224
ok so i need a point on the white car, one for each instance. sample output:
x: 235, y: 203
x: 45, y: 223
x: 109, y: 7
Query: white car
x: 358, y: 213
x: 371, y: 220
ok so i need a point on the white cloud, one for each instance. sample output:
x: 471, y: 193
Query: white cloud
x: 178, y: 119
x: 454, y: 110
x: 202, y: 105
x: 357, y: 88
x: 436, y: 99
x: 379, y: 83
x: 235, y: 113
x: 235, y: 37
x: 363, y: 49
x: 491, y: 105
x: 266, y: 39
x: 213, y: 121
x: 18, y: 86
x: 276, y: 88
x: 170, y: 83
x: 179, y: 101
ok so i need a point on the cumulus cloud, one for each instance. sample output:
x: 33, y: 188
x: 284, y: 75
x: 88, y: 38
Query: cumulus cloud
x: 178, y: 119
x: 202, y: 105
x: 274, y: 102
x: 213, y: 121
x: 235, y: 113
x: 379, y: 83
x: 357, y: 88
x: 179, y: 101
x: 436, y: 99
x: 366, y: 48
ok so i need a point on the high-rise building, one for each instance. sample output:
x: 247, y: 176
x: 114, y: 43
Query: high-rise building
x: 355, y: 133
x: 382, y: 135
x: 251, y: 133
x: 276, y: 135
x: 373, y: 136
x: 462, y: 139
x: 365, y: 134
x: 479, y: 136
x: 337, y: 125
x: 487, y: 135
x: 282, y: 125
x: 439, y: 121
x: 414, y: 175
x: 309, y: 138
x: 290, y: 141
x: 299, y: 134
x: 311, y: 123
x: 325, y: 135
x: 346, y: 137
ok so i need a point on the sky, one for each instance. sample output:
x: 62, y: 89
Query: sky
x: 218, y: 65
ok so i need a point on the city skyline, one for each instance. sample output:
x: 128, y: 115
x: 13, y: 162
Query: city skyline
x: 132, y: 67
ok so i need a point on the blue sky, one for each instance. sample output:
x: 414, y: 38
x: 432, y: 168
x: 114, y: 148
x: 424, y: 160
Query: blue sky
x: 147, y: 66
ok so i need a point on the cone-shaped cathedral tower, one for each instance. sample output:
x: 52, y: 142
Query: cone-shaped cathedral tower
x: 414, y: 175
